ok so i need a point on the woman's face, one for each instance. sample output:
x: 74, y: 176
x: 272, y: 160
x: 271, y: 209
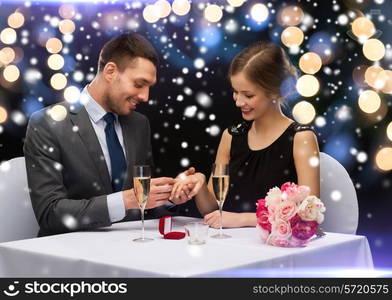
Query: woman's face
x: 249, y: 97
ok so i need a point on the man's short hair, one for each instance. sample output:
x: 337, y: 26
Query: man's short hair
x: 126, y: 46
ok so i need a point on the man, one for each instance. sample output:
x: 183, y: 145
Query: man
x: 79, y: 165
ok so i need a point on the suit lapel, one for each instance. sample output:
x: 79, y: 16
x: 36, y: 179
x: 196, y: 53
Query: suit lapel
x: 129, y: 142
x: 80, y: 118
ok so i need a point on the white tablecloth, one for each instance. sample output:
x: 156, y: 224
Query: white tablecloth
x: 110, y: 252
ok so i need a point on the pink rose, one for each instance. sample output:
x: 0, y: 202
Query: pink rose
x: 262, y: 215
x: 263, y: 220
x: 260, y: 205
x: 281, y: 229
x: 262, y: 233
x: 295, y: 193
x: 287, y: 185
x: 294, y: 220
x: 281, y: 243
x: 278, y: 242
x: 304, y: 230
x: 286, y: 210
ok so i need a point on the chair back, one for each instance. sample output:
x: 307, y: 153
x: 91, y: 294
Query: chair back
x: 17, y: 218
x: 338, y: 194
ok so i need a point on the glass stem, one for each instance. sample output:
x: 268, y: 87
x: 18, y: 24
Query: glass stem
x: 142, y: 211
x: 220, y: 229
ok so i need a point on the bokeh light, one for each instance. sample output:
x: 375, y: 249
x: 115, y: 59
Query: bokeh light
x: 389, y: 131
x: 67, y: 26
x: 236, y: 3
x: 16, y: 20
x: 384, y: 159
x: 71, y: 94
x: 11, y: 73
x: 387, y: 76
x: 58, y: 81
x: 307, y: 85
x: 3, y: 115
x: 363, y: 28
x: 259, y: 12
x: 381, y: 80
x: 151, y: 13
x: 55, y: 62
x: 292, y: 36
x: 54, y: 45
x: 371, y: 75
x: 58, y: 113
x: 164, y: 8
x: 290, y: 16
x: 67, y: 11
x: 310, y: 63
x: 373, y: 49
x: 7, y: 56
x: 213, y: 13
x: 181, y: 7
x: 369, y: 101
x: 8, y: 36
x: 304, y: 112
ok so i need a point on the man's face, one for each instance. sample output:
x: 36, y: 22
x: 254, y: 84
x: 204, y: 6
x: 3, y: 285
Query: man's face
x: 130, y: 87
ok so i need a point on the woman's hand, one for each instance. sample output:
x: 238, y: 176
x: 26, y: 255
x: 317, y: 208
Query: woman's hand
x: 229, y: 219
x: 193, y: 183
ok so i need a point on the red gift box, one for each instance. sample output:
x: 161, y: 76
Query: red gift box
x: 165, y: 228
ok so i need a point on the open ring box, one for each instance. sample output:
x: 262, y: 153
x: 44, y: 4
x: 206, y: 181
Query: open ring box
x: 165, y: 228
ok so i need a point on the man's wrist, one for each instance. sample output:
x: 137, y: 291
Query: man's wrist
x: 129, y: 199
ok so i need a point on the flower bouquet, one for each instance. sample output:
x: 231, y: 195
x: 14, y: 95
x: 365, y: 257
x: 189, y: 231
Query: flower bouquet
x: 289, y: 216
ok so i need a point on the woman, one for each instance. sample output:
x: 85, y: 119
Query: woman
x: 266, y: 150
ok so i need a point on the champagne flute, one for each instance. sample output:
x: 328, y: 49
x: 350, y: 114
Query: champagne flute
x: 220, y: 183
x: 141, y: 186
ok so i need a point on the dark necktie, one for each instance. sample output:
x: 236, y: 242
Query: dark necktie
x: 117, y: 159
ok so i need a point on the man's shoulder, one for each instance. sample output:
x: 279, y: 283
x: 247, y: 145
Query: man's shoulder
x: 55, y: 116
x: 61, y: 108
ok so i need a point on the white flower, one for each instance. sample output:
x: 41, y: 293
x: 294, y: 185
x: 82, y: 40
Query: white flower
x: 311, y: 209
x: 273, y: 198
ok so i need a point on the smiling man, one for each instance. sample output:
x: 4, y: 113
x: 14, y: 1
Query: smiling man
x: 80, y: 167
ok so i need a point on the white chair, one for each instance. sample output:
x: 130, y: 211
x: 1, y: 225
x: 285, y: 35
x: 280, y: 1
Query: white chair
x: 339, y: 197
x: 17, y: 219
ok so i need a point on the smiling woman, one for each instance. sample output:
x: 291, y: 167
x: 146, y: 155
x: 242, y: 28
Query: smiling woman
x: 267, y: 149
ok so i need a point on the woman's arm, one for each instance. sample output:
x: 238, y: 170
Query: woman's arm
x: 205, y: 199
x: 306, y: 159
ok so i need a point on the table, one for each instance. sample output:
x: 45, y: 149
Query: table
x: 110, y: 252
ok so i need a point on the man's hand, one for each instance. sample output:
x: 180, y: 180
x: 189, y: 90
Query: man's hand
x: 160, y: 190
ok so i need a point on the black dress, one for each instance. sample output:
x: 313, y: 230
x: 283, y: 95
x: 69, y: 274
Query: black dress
x: 253, y: 173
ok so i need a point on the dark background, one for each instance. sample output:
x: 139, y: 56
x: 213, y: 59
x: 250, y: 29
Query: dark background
x: 171, y: 126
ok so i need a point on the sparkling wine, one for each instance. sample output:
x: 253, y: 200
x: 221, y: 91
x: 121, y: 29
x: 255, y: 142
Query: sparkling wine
x: 221, y: 186
x: 141, y: 187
